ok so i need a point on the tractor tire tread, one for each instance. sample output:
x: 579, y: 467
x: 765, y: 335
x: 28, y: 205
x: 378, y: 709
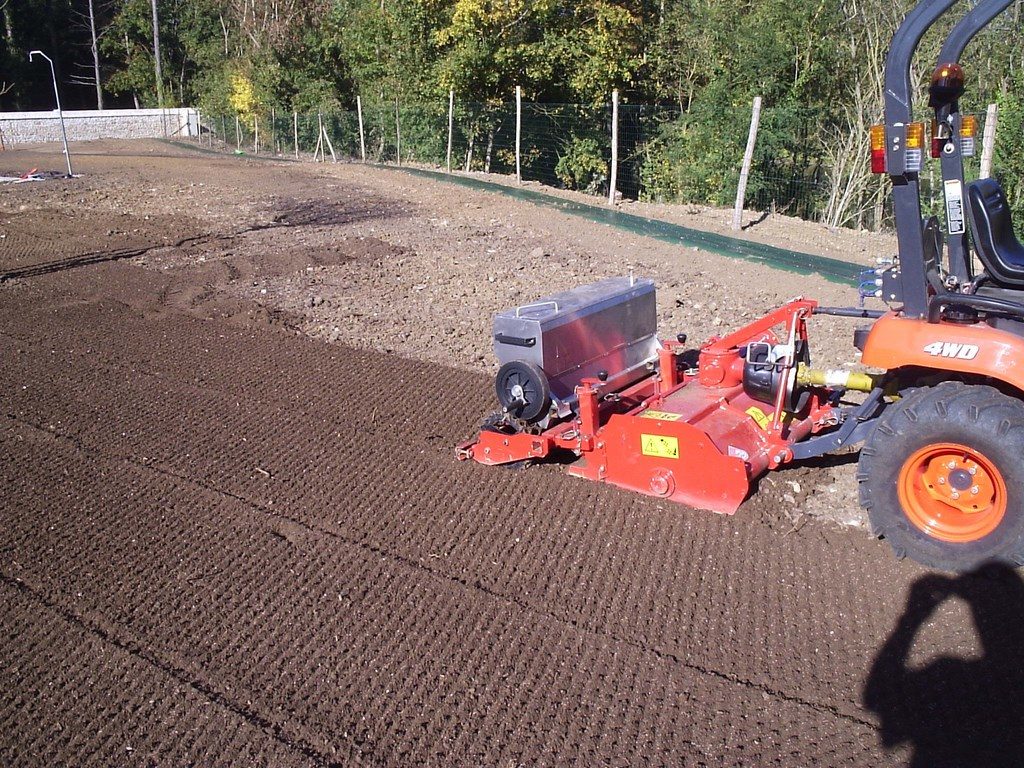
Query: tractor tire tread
x: 947, y: 406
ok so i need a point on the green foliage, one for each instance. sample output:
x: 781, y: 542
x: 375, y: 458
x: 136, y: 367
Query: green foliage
x: 1008, y: 161
x: 816, y: 64
x: 582, y: 165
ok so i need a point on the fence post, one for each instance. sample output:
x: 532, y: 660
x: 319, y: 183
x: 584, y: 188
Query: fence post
x: 362, y: 136
x: 295, y: 132
x: 451, y: 123
x: 255, y: 134
x: 519, y: 132
x: 988, y: 141
x: 238, y: 134
x: 615, y: 147
x: 273, y: 131
x: 748, y: 157
x: 319, y: 138
x: 398, y: 135
x: 330, y: 146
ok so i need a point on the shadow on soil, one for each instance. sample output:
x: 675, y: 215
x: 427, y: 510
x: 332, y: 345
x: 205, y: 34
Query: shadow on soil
x: 956, y: 711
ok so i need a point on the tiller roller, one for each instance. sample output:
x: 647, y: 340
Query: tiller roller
x: 584, y: 373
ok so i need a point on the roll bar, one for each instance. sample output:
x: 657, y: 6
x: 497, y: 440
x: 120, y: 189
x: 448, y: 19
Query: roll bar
x: 901, y: 52
x: 951, y: 159
x: 906, y: 194
x: 913, y: 280
x: 969, y: 26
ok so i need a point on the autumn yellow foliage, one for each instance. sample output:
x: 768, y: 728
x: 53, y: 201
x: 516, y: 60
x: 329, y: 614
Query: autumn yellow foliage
x: 242, y: 97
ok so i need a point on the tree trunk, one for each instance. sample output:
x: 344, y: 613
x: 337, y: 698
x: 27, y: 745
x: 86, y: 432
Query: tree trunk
x: 224, y: 29
x: 95, y: 56
x: 156, y: 58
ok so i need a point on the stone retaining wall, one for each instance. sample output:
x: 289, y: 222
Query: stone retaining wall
x: 82, y: 125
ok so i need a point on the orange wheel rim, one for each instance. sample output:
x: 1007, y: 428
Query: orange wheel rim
x: 952, y: 492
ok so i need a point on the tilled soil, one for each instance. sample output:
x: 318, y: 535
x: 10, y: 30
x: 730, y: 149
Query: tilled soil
x: 433, y: 262
x: 227, y: 543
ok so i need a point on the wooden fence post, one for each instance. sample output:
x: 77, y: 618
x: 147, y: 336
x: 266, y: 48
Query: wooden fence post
x: 295, y: 132
x: 748, y: 157
x: 255, y: 134
x: 398, y: 135
x: 988, y: 141
x: 238, y: 134
x: 330, y: 146
x: 615, y: 148
x: 319, y: 139
x: 519, y: 133
x: 451, y: 125
x: 362, y: 136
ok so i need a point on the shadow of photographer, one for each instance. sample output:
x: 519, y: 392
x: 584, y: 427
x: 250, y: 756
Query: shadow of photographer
x: 956, y: 711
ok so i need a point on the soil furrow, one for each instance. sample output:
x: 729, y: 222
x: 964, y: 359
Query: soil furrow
x: 114, y: 635
x: 475, y: 586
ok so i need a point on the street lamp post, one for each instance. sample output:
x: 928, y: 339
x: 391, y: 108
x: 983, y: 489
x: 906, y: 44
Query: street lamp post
x: 60, y: 112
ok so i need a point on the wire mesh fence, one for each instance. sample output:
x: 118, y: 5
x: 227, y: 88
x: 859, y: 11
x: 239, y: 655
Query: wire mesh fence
x: 664, y: 154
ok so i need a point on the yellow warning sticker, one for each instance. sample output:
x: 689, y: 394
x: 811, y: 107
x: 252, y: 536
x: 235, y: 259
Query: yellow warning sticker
x: 661, y: 415
x: 763, y: 419
x: 659, y: 445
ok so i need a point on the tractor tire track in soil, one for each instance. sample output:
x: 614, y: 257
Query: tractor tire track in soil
x: 278, y: 527
x: 291, y: 214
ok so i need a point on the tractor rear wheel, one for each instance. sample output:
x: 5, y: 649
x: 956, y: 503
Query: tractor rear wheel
x: 942, y: 476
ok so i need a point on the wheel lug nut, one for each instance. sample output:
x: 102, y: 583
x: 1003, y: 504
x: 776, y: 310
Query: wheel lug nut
x: 975, y: 489
x: 942, y: 481
x: 952, y: 465
x: 973, y: 470
x: 955, y: 495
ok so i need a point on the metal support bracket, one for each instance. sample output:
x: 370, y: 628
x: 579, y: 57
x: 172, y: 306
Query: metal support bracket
x: 858, y: 424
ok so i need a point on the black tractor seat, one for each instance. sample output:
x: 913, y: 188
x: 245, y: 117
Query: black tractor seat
x: 998, y: 247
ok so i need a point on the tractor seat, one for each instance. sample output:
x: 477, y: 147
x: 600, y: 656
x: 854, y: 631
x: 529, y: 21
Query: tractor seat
x: 997, y: 246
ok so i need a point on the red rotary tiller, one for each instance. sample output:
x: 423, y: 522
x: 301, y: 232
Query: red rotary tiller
x: 696, y: 429
x: 942, y: 423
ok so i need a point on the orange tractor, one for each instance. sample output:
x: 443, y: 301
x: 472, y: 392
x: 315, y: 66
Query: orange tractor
x: 941, y: 420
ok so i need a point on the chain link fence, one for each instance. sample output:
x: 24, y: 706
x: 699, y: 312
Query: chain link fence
x: 664, y: 154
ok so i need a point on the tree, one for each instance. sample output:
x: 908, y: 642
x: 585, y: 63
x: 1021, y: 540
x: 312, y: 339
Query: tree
x: 89, y: 19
